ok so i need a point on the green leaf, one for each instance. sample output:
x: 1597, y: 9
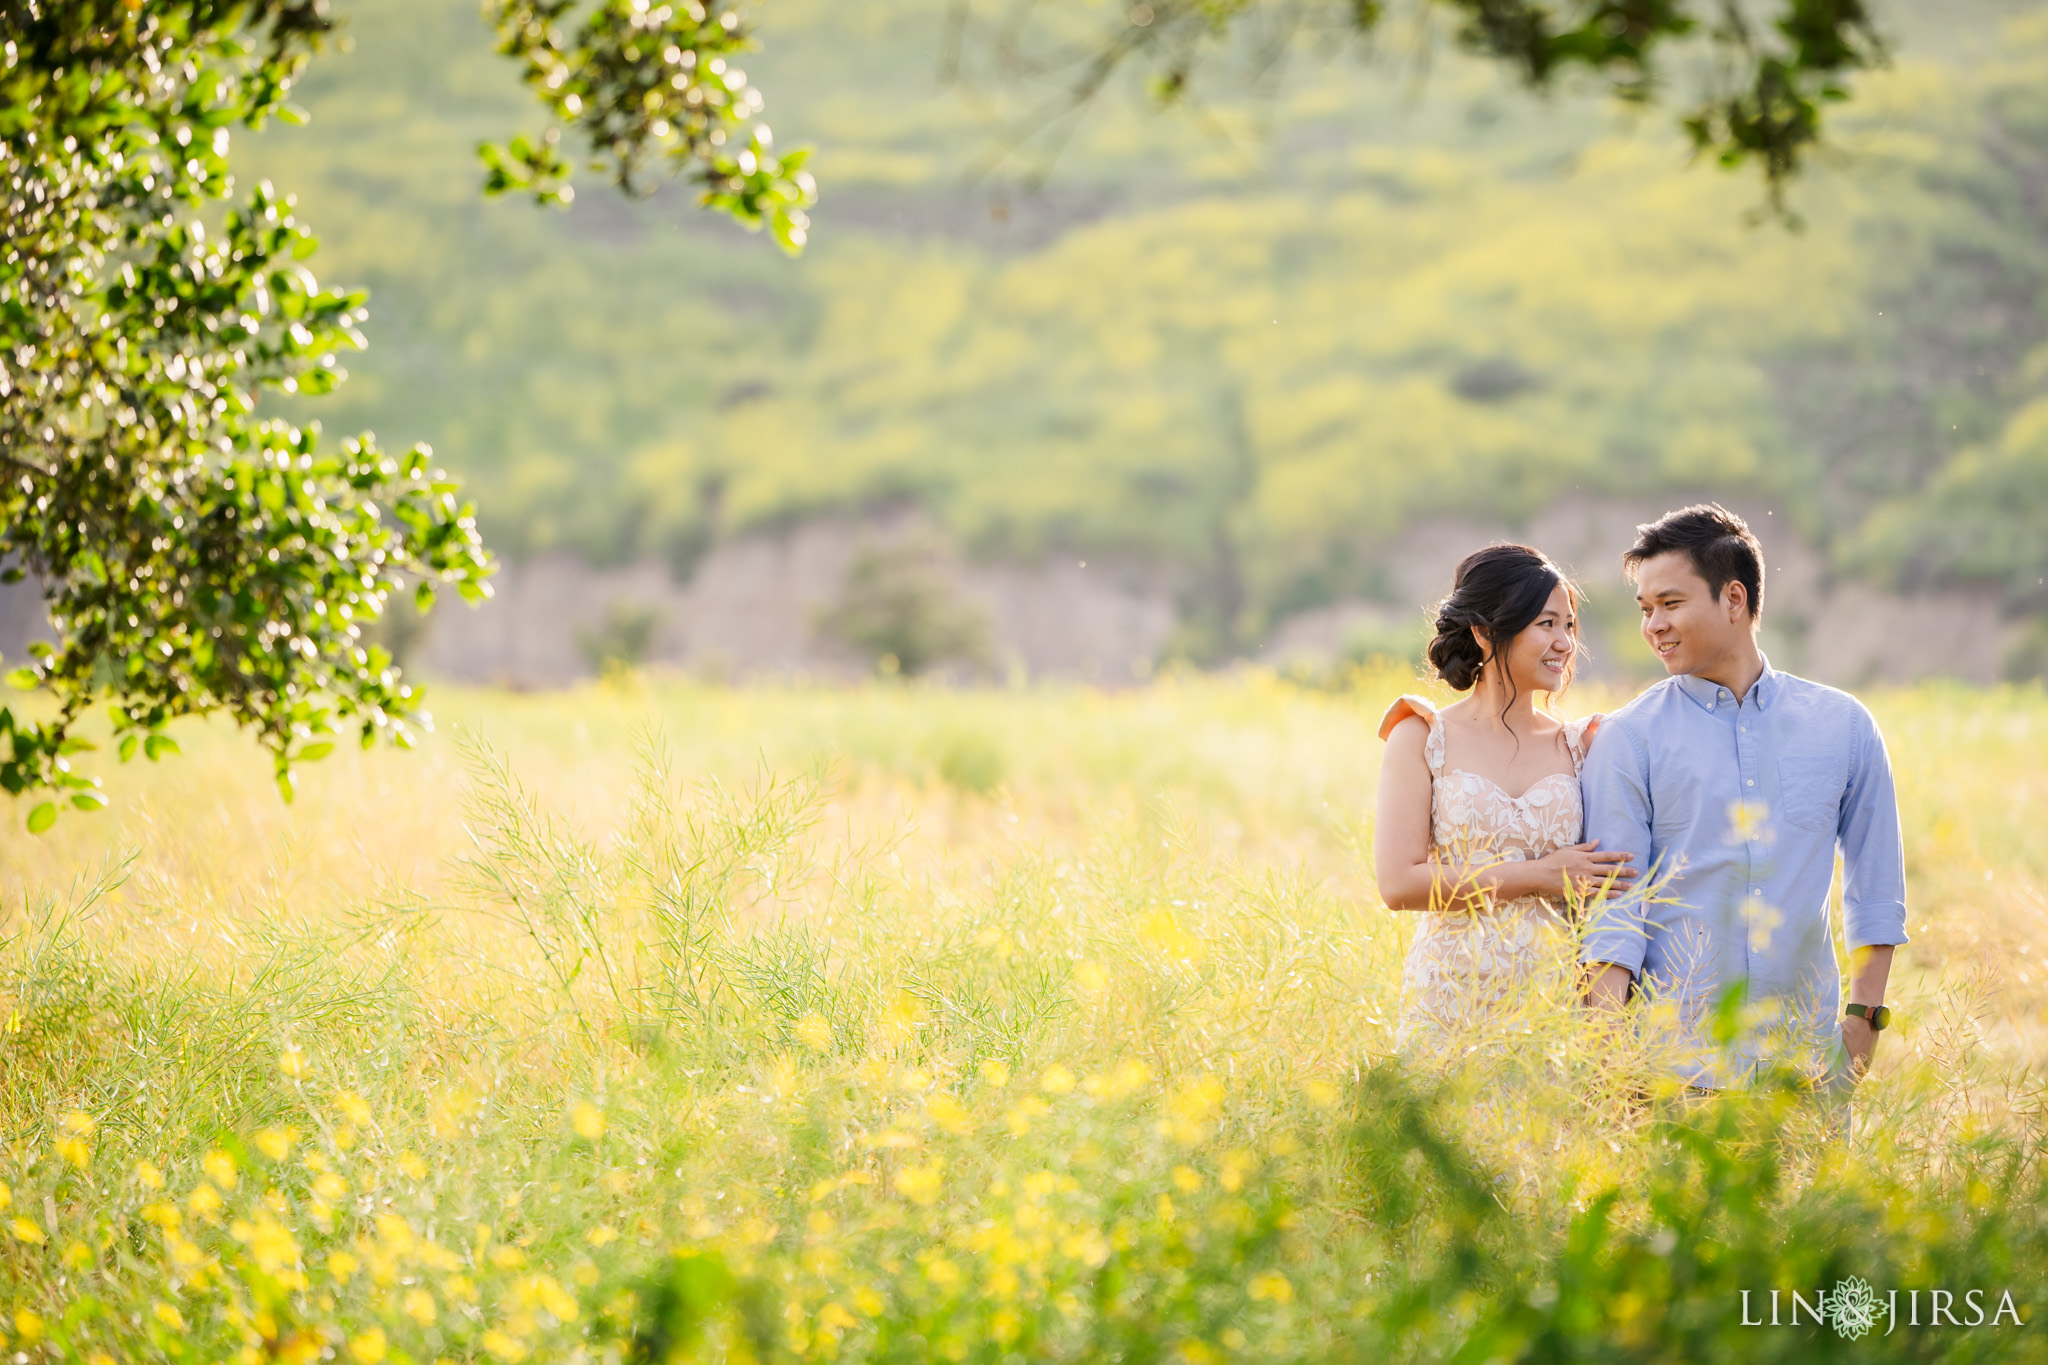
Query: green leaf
x: 129, y: 743
x: 313, y: 753
x: 156, y: 746
x: 89, y: 800
x: 42, y: 817
x: 287, y: 786
x: 25, y: 679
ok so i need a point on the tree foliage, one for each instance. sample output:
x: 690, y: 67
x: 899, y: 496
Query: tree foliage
x: 1771, y: 71
x: 648, y: 85
x: 198, y: 555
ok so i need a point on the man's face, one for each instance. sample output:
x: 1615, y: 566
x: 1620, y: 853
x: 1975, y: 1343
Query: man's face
x: 1688, y: 626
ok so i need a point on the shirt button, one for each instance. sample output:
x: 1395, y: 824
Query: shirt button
x: 1749, y: 782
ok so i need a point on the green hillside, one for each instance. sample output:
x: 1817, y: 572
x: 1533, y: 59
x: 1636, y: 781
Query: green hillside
x: 1249, y: 341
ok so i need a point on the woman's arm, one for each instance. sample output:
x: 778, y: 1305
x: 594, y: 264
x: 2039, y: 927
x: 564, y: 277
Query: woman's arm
x: 1409, y: 879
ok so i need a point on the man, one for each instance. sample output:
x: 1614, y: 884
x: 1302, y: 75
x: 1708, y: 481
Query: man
x: 1736, y: 784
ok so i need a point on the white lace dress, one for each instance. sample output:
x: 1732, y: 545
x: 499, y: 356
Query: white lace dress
x: 1467, y: 963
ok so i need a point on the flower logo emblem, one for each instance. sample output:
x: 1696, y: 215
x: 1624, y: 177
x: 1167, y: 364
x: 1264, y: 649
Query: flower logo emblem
x: 1853, y: 1307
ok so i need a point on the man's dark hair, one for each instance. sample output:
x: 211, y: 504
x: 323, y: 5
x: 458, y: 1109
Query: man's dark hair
x: 1720, y: 545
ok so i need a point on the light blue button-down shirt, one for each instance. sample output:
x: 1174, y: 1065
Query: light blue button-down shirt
x: 1734, y: 812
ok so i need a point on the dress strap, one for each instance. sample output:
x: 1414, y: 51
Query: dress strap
x: 1578, y: 737
x: 1423, y: 709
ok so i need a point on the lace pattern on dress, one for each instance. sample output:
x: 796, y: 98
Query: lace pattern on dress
x: 1464, y: 963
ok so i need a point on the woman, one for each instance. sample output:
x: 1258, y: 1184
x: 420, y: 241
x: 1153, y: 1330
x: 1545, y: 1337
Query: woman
x: 1479, y: 811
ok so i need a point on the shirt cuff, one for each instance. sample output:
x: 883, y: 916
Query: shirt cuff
x: 1619, y: 935
x: 1872, y: 923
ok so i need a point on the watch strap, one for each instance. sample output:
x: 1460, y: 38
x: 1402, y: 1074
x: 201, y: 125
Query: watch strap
x: 1877, y: 1015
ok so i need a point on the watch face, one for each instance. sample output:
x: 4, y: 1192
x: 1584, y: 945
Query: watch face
x: 1880, y: 1016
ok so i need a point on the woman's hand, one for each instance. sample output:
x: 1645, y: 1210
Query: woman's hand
x: 1589, y: 869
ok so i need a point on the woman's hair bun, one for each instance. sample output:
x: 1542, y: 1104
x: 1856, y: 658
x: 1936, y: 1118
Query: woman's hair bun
x: 1496, y: 593
x: 1455, y: 654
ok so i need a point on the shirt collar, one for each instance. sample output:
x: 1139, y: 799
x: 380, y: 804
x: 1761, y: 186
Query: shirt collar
x: 1714, y: 697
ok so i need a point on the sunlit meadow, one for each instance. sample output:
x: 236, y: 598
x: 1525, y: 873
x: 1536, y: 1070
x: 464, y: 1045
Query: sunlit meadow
x: 659, y: 1020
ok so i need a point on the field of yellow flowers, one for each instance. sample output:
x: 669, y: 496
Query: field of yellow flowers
x: 665, y: 1021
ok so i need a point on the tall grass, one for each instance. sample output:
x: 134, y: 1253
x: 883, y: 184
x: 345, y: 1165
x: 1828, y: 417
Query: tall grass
x: 652, y: 1018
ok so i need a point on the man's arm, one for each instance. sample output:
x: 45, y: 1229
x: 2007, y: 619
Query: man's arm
x: 1873, y: 886
x: 1616, y: 789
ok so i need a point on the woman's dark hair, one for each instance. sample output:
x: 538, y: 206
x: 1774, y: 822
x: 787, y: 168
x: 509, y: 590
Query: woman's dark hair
x: 1720, y: 545
x: 1497, y: 593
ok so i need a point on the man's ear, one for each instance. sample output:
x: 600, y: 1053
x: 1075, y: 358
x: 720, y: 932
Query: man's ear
x: 1736, y: 598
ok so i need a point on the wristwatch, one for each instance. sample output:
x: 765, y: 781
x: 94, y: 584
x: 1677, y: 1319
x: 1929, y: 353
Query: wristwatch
x: 1878, y: 1015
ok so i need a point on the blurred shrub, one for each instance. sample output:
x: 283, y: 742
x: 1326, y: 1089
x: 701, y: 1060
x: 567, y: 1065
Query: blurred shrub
x: 900, y: 610
x: 624, y: 639
x: 970, y: 760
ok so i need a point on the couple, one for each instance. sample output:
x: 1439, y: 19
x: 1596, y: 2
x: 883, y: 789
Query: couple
x: 1700, y: 822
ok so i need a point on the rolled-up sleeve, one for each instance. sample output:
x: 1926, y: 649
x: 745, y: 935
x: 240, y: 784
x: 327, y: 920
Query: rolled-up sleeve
x: 1615, y: 785
x: 1873, y: 850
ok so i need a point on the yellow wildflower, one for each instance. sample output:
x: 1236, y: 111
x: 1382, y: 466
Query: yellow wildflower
x: 946, y: 1112
x: 395, y: 1233
x: 814, y: 1033
x: 353, y: 1108
x: 418, y: 1305
x: 329, y: 1186
x: 341, y: 1266
x: 147, y: 1173
x: 292, y: 1063
x: 504, y: 1347
x: 28, y: 1326
x: 414, y: 1168
x: 205, y: 1201
x: 920, y: 1184
x: 1270, y: 1284
x: 6, y: 1195
x: 554, y: 1298
x: 185, y: 1253
x: 276, y: 1143
x: 603, y: 1235
x: 1022, y: 1113
x: 588, y: 1120
x: 168, y: 1316
x: 27, y: 1231
x: 220, y: 1169
x: 368, y: 1348
x: 995, y: 1072
x: 1056, y: 1080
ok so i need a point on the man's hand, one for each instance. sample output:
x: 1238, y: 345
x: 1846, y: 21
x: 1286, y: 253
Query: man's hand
x: 1607, y: 986
x: 1869, y: 969
x: 1859, y: 1040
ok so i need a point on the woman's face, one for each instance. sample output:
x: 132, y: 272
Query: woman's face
x: 1538, y: 659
